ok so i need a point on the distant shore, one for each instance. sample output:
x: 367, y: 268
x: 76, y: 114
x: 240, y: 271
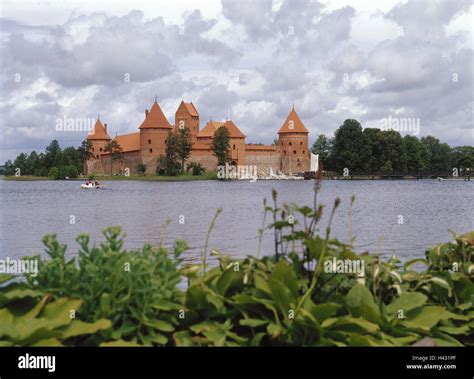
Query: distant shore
x: 211, y: 176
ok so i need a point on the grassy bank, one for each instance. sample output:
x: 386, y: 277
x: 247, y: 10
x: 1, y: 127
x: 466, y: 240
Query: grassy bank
x: 294, y: 296
x: 211, y: 175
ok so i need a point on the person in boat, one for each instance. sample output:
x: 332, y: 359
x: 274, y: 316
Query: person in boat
x: 96, y: 183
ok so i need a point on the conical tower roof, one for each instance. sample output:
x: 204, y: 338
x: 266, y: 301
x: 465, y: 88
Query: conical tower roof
x: 99, y: 132
x: 155, y: 118
x: 293, y: 124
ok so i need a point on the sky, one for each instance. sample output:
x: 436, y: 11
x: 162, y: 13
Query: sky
x: 248, y: 60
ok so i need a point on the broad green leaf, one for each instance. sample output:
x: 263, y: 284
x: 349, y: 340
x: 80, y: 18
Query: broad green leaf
x: 229, y: 280
x: 406, y: 302
x: 285, y: 274
x: 350, y: 324
x: 160, y: 325
x: 77, y: 328
x: 426, y: 317
x: 361, y: 303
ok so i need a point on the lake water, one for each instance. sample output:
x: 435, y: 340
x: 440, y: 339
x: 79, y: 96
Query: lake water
x: 29, y: 210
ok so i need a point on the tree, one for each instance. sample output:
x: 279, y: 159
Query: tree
x: 374, y: 150
x: 349, y: 147
x: 85, y: 154
x: 323, y: 147
x: 31, y: 163
x: 20, y: 163
x: 115, y: 151
x: 221, y: 145
x: 171, y: 154
x: 416, y: 153
x: 463, y: 157
x: 438, y: 156
x: 184, y: 145
x: 53, y: 173
x: 53, y: 154
x: 393, y: 149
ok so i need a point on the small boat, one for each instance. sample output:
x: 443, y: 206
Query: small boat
x: 440, y: 179
x: 92, y: 186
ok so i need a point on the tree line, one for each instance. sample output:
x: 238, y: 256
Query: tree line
x: 371, y: 151
x: 54, y: 162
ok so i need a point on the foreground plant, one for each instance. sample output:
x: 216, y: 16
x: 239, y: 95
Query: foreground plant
x: 136, y: 290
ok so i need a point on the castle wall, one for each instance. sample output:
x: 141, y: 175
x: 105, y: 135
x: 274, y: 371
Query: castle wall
x: 264, y: 160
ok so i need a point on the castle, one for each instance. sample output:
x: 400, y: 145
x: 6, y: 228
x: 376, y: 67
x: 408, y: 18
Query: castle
x: 291, y: 155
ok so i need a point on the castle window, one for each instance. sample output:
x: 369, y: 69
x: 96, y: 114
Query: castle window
x: 100, y: 149
x: 294, y: 151
x: 284, y: 151
x: 303, y: 151
x: 149, y: 142
x: 92, y: 149
x: 151, y: 150
x: 289, y: 143
x: 301, y: 143
x: 233, y: 147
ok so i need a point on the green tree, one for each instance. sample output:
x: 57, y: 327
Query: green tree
x: 171, y: 154
x: 53, y: 154
x: 416, y: 153
x: 115, y: 151
x: 438, y: 156
x: 221, y: 145
x: 374, y: 150
x: 183, y: 145
x: 53, y: 173
x: 32, y: 163
x: 9, y: 168
x: 85, y: 153
x: 463, y: 158
x: 393, y: 150
x: 349, y: 147
x: 323, y: 147
x: 20, y: 163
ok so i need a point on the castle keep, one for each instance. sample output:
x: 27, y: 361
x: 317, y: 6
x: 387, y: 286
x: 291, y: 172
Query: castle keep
x: 291, y: 155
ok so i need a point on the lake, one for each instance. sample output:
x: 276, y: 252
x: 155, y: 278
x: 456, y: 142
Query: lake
x: 29, y: 210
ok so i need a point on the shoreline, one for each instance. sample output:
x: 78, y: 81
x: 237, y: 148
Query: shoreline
x: 206, y: 176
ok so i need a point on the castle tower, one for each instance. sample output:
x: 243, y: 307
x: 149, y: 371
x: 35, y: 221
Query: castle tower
x: 187, y: 116
x: 153, y: 134
x: 98, y: 139
x: 237, y: 143
x: 293, y: 146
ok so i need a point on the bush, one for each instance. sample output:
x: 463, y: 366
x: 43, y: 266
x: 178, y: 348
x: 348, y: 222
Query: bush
x: 68, y: 172
x: 136, y: 290
x: 53, y: 173
x: 141, y: 169
x: 197, y: 168
x: 42, y: 171
x: 49, y: 320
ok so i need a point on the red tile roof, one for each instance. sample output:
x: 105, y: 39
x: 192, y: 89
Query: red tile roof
x: 155, y: 119
x: 129, y: 142
x: 293, y: 124
x: 98, y: 133
x: 191, y: 109
x: 212, y: 126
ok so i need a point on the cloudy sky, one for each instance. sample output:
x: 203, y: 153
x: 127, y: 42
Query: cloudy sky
x: 250, y: 60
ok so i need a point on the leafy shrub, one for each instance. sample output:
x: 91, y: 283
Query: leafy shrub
x: 53, y: 173
x: 196, y: 168
x: 30, y: 318
x: 136, y: 290
x: 141, y: 168
x: 69, y: 171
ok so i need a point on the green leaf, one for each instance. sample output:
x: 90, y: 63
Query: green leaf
x: 406, y: 302
x: 361, y: 303
x: 282, y: 296
x: 285, y: 274
x: 425, y: 318
x: 253, y: 322
x: 77, y: 328
x: 350, y: 324
x: 120, y: 343
x: 229, y: 280
x: 160, y: 325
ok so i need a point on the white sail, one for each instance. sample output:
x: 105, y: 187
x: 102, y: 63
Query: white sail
x: 314, y: 162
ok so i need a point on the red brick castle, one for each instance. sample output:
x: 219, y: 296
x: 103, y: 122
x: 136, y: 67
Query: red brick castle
x: 291, y: 155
